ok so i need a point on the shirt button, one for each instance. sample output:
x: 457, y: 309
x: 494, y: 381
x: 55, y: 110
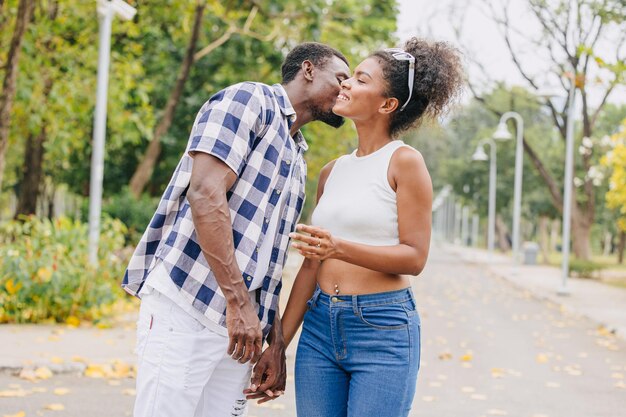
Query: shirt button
x: 288, y: 162
x: 256, y: 250
x: 277, y: 191
x: 267, y: 220
x: 248, y: 278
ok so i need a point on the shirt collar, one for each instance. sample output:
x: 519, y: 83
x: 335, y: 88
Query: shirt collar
x: 290, y: 113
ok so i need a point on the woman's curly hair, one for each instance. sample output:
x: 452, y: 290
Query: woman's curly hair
x: 439, y: 79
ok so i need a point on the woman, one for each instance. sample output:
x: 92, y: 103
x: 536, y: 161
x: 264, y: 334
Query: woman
x: 359, y: 350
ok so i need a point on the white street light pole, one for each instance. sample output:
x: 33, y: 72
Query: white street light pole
x: 567, y: 187
x: 480, y: 155
x: 502, y: 133
x: 106, y: 11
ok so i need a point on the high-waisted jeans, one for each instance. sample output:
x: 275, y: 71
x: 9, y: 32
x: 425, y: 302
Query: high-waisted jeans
x: 358, y: 355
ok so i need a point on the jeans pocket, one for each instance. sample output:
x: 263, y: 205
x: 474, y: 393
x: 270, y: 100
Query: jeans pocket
x: 183, y: 322
x: 385, y: 317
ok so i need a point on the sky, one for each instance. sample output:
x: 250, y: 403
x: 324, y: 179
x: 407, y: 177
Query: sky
x: 481, y: 39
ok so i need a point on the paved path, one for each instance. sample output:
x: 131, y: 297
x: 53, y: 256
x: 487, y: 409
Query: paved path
x: 490, y: 347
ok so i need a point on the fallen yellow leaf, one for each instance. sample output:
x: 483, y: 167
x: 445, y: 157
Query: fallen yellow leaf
x: 57, y: 360
x: 95, y: 371
x: 467, y: 357
x: 61, y: 391
x: 129, y: 392
x: 13, y: 393
x: 43, y: 372
x: 55, y: 407
x: 18, y: 414
x: 542, y: 358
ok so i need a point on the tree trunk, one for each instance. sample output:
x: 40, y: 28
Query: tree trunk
x: 606, y: 245
x: 581, y: 235
x: 544, y: 238
x: 32, y: 170
x: 32, y: 174
x: 144, y: 171
x: 24, y: 14
x: 620, y: 248
x: 502, y: 233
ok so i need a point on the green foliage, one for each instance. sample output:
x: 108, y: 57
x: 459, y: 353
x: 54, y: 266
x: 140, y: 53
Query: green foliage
x: 45, y: 274
x: 134, y: 213
x: 615, y: 160
x: 61, y: 52
x: 584, y: 269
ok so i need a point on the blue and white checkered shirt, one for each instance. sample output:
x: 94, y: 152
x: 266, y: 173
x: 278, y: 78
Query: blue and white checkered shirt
x: 247, y: 127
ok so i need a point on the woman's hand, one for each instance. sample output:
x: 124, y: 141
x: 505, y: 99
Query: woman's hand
x: 319, y: 244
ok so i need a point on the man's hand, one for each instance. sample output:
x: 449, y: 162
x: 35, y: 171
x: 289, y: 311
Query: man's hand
x: 244, y: 332
x: 269, y: 376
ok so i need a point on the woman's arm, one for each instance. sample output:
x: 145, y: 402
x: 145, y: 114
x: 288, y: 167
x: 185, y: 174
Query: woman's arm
x: 409, y: 177
x: 302, y: 290
x: 306, y: 279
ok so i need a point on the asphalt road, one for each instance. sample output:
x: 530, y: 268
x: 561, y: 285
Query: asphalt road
x: 488, y: 349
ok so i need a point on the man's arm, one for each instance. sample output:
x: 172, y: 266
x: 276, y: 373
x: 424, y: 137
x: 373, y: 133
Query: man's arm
x: 270, y: 373
x: 210, y: 181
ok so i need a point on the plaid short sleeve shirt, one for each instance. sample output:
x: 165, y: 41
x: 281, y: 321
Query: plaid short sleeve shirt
x: 247, y: 127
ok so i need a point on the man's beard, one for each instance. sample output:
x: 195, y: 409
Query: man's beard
x: 327, y: 117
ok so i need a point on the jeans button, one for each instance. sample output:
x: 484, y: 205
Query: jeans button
x: 333, y: 299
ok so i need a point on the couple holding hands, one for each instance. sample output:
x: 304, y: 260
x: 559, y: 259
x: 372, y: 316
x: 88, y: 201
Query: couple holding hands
x: 208, y: 268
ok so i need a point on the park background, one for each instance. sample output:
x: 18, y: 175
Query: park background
x: 174, y: 54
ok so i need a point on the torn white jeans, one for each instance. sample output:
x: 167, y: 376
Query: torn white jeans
x: 183, y: 369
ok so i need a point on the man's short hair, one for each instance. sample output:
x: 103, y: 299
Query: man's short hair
x: 317, y: 53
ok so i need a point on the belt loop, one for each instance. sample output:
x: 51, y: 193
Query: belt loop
x: 316, y: 295
x: 412, y: 297
x: 355, y: 305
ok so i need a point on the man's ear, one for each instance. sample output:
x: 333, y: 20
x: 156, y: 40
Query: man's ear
x: 307, y: 70
x: 389, y: 106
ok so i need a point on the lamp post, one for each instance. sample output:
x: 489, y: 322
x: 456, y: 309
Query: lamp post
x: 480, y: 155
x: 502, y: 133
x: 106, y: 11
x: 567, y: 188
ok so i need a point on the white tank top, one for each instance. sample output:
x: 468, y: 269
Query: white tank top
x: 358, y: 204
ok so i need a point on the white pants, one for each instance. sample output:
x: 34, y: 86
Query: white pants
x: 183, y: 369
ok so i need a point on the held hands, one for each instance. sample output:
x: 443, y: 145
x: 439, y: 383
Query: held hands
x: 269, y: 376
x: 244, y: 332
x: 318, y: 245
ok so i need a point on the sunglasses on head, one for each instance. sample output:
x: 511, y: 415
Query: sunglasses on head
x: 401, y: 55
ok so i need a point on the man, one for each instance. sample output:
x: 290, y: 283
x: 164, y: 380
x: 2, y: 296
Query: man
x: 209, y: 266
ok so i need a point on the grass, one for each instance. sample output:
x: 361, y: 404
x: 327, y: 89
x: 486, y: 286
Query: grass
x: 612, y: 273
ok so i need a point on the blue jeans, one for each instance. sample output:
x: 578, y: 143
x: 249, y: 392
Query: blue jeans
x: 358, y: 355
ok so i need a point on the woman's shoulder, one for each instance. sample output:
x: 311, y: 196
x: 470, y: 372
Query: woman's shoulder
x: 408, y: 157
x: 407, y: 164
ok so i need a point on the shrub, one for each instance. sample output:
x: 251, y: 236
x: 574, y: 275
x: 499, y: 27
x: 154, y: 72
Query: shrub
x: 45, y: 274
x: 134, y: 213
x: 584, y: 269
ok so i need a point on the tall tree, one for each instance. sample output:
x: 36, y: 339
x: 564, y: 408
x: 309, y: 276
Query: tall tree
x: 11, y: 70
x: 569, y: 42
x: 144, y: 170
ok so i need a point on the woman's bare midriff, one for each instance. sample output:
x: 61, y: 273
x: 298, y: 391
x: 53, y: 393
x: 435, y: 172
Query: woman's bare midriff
x: 351, y: 279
